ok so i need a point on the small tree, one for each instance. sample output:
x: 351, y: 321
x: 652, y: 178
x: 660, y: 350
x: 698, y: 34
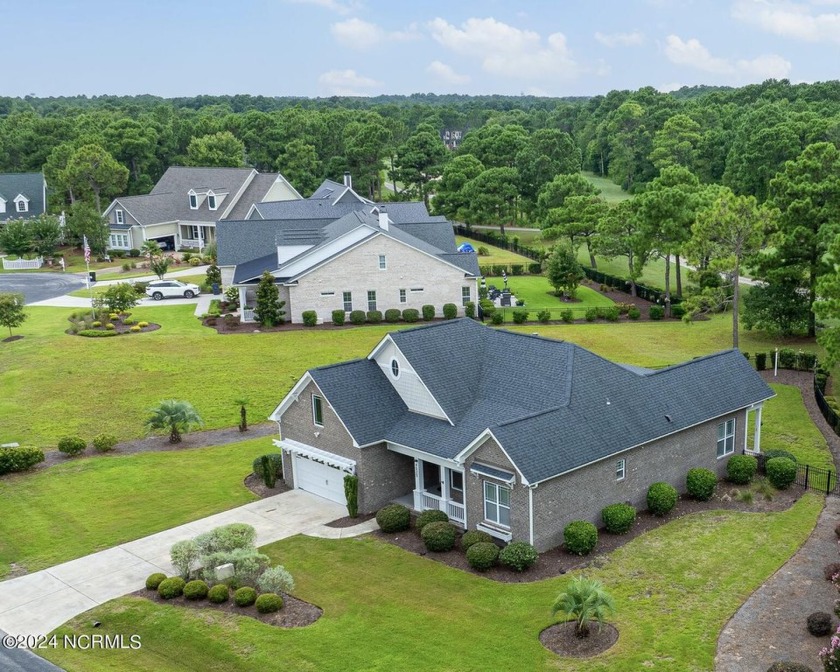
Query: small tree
x: 351, y: 493
x: 563, y: 271
x: 16, y: 237
x: 11, y: 310
x: 269, y: 310
x: 120, y: 298
x: 584, y: 600
x: 151, y: 249
x: 243, y: 402
x: 159, y: 265
x: 46, y: 235
x: 214, y: 275
x: 176, y: 417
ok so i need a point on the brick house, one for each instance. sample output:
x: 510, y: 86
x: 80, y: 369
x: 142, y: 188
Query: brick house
x: 512, y: 434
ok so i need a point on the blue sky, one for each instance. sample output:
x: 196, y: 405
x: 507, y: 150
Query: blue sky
x: 368, y: 47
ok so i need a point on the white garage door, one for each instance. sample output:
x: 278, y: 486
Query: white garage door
x: 319, y: 479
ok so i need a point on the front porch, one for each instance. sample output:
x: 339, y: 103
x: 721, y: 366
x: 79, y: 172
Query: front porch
x: 197, y: 237
x: 437, y: 486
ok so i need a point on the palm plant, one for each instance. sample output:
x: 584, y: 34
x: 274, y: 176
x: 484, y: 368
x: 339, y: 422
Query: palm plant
x: 583, y: 601
x: 175, y: 416
x: 242, y: 402
x: 150, y: 249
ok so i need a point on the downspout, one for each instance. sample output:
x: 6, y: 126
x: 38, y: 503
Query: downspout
x: 531, y: 514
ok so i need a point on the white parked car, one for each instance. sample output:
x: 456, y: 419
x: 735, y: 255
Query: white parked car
x: 171, y: 289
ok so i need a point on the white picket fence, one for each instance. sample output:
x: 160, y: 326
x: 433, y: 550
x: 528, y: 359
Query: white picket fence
x: 22, y: 264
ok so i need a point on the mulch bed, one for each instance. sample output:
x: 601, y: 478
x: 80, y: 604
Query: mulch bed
x: 557, y: 561
x: 561, y: 639
x: 294, y: 614
x: 347, y: 521
x: 253, y: 327
x: 256, y: 485
x: 10, y: 339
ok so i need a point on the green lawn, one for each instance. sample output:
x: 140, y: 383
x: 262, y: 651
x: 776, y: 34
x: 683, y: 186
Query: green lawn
x: 387, y: 609
x: 89, y: 504
x: 497, y: 255
x: 538, y: 294
x: 785, y: 424
x: 610, y: 191
x: 197, y: 279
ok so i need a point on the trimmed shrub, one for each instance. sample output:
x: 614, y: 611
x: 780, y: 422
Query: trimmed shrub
x: 450, y: 311
x: 134, y: 252
x: 656, y: 312
x: 778, y: 452
x: 483, y: 555
x: 110, y: 326
x: 787, y: 358
x: 618, y: 518
x: 544, y: 316
x: 245, y: 596
x: 469, y: 309
x: 276, y: 580
x: 612, y: 314
x: 310, y: 318
x: 357, y: 317
x: 661, y: 498
x: 196, y: 590
x: 520, y: 316
x: 183, y: 555
x: 482, y: 251
x: 781, y: 472
x: 19, y: 459
x: 591, y: 314
x: 104, y: 442
x: 374, y: 316
x: 218, y: 594
x: 269, y: 474
x: 171, y: 588
x: 392, y: 315
x: 517, y: 269
x: 498, y: 318
x: 142, y: 325
x: 580, y: 537
x: 700, y: 483
x: 226, y: 538
x: 351, y: 494
x: 428, y: 312
x: 677, y: 311
x: 439, y: 537
x: 474, y: 537
x: 393, y: 518
x: 567, y: 316
x: 268, y: 603
x: 93, y: 333
x: 95, y: 324
x: 788, y: 666
x: 248, y: 564
x: 134, y: 330
x: 276, y: 460
x: 71, y: 445
x: 634, y: 313
x: 760, y: 361
x: 338, y: 317
x: 741, y: 468
x: 154, y: 580
x: 535, y: 268
x: 819, y: 624
x: 410, y: 315
x: 518, y: 555
x: 430, y: 516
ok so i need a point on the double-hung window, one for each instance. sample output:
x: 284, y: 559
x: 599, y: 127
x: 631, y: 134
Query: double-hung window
x: 466, y: 296
x: 497, y: 504
x: 403, y: 298
x: 120, y: 216
x: 726, y: 438
x: 382, y: 264
x: 348, y: 302
x: 317, y: 410
x: 371, y: 300
x: 620, y: 470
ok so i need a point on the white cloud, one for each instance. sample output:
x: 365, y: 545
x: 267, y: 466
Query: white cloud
x: 337, y: 6
x: 445, y: 73
x: 507, y: 51
x: 791, y: 19
x: 358, y: 34
x: 612, y: 40
x: 693, y: 54
x: 347, y: 83
x: 670, y: 86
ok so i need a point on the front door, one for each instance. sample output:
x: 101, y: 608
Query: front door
x: 431, y: 478
x: 456, y: 486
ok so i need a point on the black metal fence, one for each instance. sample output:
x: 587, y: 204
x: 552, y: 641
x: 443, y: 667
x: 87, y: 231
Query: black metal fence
x: 818, y: 479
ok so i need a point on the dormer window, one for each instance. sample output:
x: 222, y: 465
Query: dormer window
x: 211, y: 200
x: 21, y: 203
x: 120, y: 216
x: 193, y: 200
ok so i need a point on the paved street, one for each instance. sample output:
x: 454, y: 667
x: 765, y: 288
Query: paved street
x: 41, y: 286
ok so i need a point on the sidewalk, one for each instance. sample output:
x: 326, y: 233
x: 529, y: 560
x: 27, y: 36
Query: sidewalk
x: 37, y: 603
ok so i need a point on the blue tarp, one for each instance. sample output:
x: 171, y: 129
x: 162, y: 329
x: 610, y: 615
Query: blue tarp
x: 466, y: 247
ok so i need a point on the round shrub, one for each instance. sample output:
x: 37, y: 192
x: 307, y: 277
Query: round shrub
x: 634, y: 313
x: 392, y: 315
x: 276, y: 580
x: 483, y: 555
x: 135, y: 329
x: 788, y: 666
x: 428, y: 312
x: 518, y: 555
x: 439, y: 537
x: 819, y: 624
x: 778, y: 452
x: 411, y: 315
x: 268, y: 603
x: 430, y: 516
x: 154, y: 580
x: 142, y: 325
x: 741, y: 468
x: 618, y: 518
x: 196, y: 590
x: 96, y: 323
x: 700, y: 483
x: 19, y: 458
x: 245, y: 596
x: 781, y: 472
x: 472, y: 537
x: 113, y: 316
x: 580, y: 537
x: 275, y: 458
x: 498, y: 318
x: 71, y: 445
x: 170, y: 588
x: 338, y: 317
x: 357, y: 317
x: 110, y: 326
x: 310, y: 318
x: 393, y: 518
x: 656, y: 312
x: 104, y: 442
x: 450, y: 311
x: 218, y: 594
x: 374, y: 316
x: 661, y: 498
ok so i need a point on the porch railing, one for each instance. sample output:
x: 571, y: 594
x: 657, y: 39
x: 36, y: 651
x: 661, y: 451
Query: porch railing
x: 425, y: 500
x: 193, y: 242
x: 247, y: 314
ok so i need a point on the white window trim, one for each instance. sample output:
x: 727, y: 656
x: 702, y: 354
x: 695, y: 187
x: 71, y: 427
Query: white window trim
x: 403, y: 296
x: 395, y: 365
x: 726, y: 437
x: 314, y: 414
x: 120, y: 215
x: 369, y: 301
x: 215, y: 205
x: 497, y: 487
x: 21, y: 200
x: 2, y: 205
x: 620, y: 468
x: 383, y: 263
x: 346, y: 302
x: 416, y: 289
x: 193, y: 198
x: 466, y: 296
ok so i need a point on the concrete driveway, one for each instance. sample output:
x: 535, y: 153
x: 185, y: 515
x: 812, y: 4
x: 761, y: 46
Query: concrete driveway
x: 41, y: 286
x: 37, y: 603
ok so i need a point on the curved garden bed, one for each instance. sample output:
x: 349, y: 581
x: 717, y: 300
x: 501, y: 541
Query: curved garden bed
x: 560, y: 638
x: 86, y: 324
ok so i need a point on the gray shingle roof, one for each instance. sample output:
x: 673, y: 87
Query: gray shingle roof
x: 553, y: 405
x: 31, y: 185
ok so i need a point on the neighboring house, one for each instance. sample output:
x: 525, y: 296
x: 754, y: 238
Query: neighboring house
x: 22, y: 195
x: 513, y: 434
x: 183, y: 207
x: 338, y: 251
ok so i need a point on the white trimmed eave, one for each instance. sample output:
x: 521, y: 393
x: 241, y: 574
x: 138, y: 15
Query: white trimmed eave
x: 477, y: 441
x: 245, y: 184
x: 420, y: 454
x: 283, y: 180
x: 317, y: 455
x: 313, y: 252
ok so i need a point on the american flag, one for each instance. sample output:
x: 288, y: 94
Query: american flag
x: 86, y: 248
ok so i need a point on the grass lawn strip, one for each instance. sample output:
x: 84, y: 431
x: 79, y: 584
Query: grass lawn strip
x: 497, y: 255
x: 537, y: 293
x: 86, y: 505
x: 385, y: 609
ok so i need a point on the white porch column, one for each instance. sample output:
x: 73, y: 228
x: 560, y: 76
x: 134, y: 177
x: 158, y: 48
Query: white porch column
x: 200, y: 238
x: 757, y: 430
x: 243, y: 292
x: 418, y: 485
x: 444, y: 488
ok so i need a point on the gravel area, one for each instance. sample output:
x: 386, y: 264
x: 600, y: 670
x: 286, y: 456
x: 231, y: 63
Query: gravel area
x: 770, y: 625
